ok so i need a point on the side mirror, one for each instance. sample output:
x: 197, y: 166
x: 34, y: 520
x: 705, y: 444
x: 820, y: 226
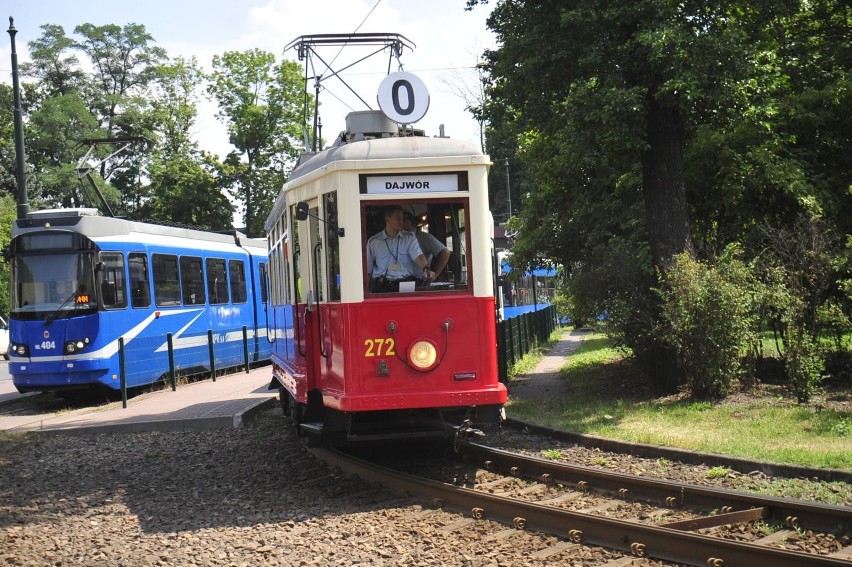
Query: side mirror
x: 301, y: 211
x: 303, y: 214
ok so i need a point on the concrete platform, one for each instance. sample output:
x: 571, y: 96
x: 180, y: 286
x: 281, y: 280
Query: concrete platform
x: 228, y: 402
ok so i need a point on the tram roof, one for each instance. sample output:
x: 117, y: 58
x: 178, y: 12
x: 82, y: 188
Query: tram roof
x: 395, y: 147
x: 87, y: 221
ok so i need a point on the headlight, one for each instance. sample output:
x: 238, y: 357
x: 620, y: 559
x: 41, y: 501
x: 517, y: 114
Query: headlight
x: 73, y: 346
x: 423, y: 354
x: 20, y: 349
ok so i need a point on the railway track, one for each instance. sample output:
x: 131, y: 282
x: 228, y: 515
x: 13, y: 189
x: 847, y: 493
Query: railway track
x: 646, y: 518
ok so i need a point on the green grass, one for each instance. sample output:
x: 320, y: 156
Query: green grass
x: 773, y: 346
x: 606, y: 395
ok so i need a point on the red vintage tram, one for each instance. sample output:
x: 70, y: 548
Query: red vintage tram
x: 356, y: 360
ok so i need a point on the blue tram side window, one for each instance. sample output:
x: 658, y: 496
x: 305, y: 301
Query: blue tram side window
x: 237, y: 271
x: 217, y: 281
x: 140, y: 290
x: 166, y: 283
x: 192, y: 280
x: 111, y: 282
x: 264, y: 297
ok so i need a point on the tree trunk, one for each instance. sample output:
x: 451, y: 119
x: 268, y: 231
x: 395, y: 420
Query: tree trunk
x: 666, y: 215
x: 665, y: 193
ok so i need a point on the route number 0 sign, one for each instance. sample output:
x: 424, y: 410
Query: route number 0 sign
x: 403, y: 97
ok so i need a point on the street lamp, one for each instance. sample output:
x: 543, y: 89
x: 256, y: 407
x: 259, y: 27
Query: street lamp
x: 508, y: 191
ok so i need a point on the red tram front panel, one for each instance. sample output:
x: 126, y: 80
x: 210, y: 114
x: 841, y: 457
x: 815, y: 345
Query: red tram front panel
x: 364, y: 364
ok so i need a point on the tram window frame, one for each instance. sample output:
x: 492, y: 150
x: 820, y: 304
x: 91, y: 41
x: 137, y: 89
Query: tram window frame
x: 297, y: 258
x: 284, y: 259
x: 140, y: 280
x: 373, y: 223
x: 111, y: 281
x: 239, y: 293
x: 217, y: 289
x: 275, y: 269
x: 167, y: 292
x: 332, y: 246
x: 192, y: 280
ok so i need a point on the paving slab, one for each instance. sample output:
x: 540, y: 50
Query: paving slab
x: 228, y: 402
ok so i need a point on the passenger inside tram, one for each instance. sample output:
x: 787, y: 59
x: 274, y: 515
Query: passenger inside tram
x: 437, y: 255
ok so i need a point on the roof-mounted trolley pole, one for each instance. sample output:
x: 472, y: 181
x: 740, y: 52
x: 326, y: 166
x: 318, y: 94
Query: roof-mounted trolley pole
x: 307, y: 48
x: 85, y: 170
x: 20, y: 172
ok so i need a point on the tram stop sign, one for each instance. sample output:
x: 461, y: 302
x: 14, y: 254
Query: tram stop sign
x: 403, y: 97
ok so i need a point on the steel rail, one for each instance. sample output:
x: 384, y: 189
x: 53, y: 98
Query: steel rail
x: 640, y: 540
x: 792, y: 513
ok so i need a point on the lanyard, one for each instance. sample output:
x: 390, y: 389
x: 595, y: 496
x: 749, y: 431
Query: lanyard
x: 395, y: 256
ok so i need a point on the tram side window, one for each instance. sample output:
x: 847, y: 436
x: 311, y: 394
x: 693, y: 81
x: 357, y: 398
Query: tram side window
x: 264, y: 293
x: 192, y: 280
x: 166, y: 282
x: 278, y: 263
x: 111, y: 282
x: 297, y: 259
x: 332, y: 246
x: 217, y: 281
x: 140, y: 292
x: 236, y: 269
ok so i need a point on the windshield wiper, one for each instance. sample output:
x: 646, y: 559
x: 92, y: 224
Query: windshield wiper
x: 52, y: 316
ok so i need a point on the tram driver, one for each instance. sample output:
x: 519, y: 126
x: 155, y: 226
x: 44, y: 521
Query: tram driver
x: 393, y: 255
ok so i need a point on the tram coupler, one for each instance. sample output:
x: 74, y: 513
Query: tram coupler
x: 464, y: 432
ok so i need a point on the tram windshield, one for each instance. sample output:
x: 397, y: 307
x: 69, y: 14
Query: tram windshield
x: 396, y: 232
x: 52, y: 286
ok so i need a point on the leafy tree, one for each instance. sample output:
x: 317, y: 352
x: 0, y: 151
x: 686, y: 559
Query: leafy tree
x: 181, y: 176
x: 646, y: 126
x: 125, y: 66
x: 55, y: 129
x: 186, y: 190
x: 8, y: 184
x: 53, y: 64
x: 261, y: 102
x: 8, y: 214
x: 67, y: 105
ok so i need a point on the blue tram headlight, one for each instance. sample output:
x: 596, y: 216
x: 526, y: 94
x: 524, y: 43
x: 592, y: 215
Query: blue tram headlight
x: 74, y: 346
x: 20, y: 349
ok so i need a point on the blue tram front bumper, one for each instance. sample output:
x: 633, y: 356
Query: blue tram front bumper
x: 62, y: 374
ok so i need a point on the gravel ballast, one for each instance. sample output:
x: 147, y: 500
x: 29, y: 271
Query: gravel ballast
x: 251, y: 496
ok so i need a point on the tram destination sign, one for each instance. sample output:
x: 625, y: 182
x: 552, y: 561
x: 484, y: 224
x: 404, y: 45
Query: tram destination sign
x: 417, y: 183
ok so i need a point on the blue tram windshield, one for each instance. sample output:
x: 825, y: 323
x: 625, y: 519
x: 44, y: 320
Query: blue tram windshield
x: 52, y: 285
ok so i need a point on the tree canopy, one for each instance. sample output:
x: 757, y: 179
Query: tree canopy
x: 113, y: 82
x: 261, y: 102
x: 640, y: 130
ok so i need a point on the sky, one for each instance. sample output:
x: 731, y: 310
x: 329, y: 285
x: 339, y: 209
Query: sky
x: 448, y: 40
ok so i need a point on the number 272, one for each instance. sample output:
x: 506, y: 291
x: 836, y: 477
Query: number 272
x: 375, y: 346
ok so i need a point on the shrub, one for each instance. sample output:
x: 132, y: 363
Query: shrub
x: 709, y: 315
x: 803, y: 357
x: 803, y: 363
x: 577, y: 307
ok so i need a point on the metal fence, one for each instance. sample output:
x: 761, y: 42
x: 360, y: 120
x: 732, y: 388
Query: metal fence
x: 518, y: 335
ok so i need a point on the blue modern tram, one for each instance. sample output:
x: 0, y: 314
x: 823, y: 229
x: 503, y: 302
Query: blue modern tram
x: 81, y: 281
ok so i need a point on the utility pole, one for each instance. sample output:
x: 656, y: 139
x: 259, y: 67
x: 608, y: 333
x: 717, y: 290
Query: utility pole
x: 508, y: 190
x: 23, y: 202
